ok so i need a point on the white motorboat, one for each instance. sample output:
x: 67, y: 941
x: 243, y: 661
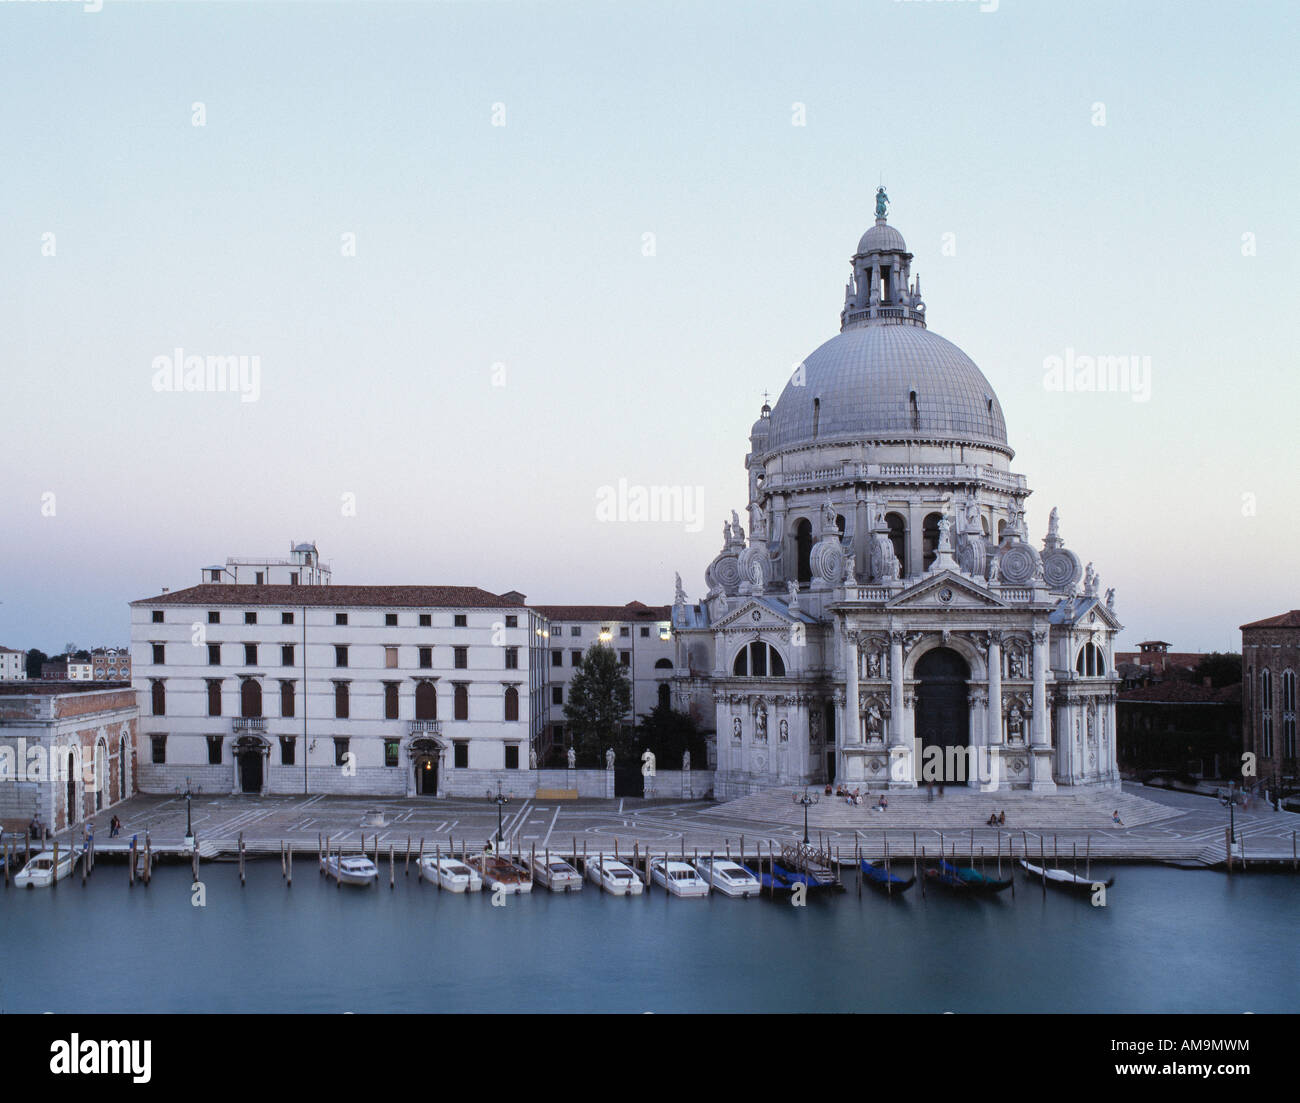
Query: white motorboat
x: 678, y: 878
x: 556, y: 874
x: 451, y: 874
x: 40, y: 872
x: 351, y: 869
x: 502, y: 874
x: 613, y: 876
x: 728, y: 877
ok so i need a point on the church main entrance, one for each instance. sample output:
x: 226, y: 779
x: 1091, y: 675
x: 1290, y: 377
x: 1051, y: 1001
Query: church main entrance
x: 942, y: 716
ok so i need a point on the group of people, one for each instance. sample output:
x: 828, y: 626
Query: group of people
x: 997, y: 819
x: 854, y: 796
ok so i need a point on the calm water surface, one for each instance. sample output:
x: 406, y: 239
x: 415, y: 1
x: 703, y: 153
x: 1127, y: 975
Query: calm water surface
x: 1168, y: 941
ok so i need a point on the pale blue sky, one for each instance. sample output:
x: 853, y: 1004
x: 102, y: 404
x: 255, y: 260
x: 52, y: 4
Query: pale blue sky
x: 522, y: 245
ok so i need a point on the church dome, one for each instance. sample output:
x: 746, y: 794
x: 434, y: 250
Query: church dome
x: 882, y: 238
x: 887, y: 381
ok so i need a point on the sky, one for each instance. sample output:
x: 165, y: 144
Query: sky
x: 496, y: 259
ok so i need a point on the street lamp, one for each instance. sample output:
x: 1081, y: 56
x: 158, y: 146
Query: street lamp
x: 189, y: 822
x: 807, y: 803
x: 501, y: 801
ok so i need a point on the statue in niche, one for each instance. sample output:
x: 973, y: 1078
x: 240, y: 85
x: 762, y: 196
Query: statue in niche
x: 1016, y: 663
x: 993, y: 570
x: 873, y: 664
x: 1016, y: 725
x: 735, y: 730
x: 785, y: 731
x: 760, y: 724
x: 875, y: 721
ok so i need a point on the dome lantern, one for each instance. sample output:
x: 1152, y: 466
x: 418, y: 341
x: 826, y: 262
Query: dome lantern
x: 880, y: 290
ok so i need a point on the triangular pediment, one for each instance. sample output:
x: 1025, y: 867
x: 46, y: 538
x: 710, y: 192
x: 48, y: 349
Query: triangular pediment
x: 946, y: 590
x: 756, y: 614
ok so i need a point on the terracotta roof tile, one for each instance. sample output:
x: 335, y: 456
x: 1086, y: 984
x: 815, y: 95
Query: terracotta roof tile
x: 1283, y: 620
x: 633, y: 610
x: 421, y: 597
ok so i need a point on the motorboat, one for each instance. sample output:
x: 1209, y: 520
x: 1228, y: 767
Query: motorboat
x: 886, y: 880
x: 40, y: 871
x: 678, y: 878
x: 556, y: 874
x: 728, y: 877
x: 451, y: 874
x: 502, y: 874
x: 613, y: 876
x: 1059, y: 878
x: 351, y: 869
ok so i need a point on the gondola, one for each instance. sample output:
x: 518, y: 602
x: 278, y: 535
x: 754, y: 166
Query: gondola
x: 773, y: 884
x: 1059, y: 878
x: 885, y: 881
x: 810, y: 881
x: 974, y: 879
x: 947, y: 878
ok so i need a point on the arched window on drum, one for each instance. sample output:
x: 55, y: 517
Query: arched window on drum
x: 1091, y: 663
x: 758, y: 660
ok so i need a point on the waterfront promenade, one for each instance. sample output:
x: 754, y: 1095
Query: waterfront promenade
x: 1158, y: 825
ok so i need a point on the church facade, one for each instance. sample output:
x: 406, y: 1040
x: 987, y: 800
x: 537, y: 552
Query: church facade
x: 887, y: 621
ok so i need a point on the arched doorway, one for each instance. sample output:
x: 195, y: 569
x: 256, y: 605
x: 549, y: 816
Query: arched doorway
x: 249, y: 755
x: 424, y: 759
x: 803, y: 540
x: 942, y: 716
x: 101, y: 774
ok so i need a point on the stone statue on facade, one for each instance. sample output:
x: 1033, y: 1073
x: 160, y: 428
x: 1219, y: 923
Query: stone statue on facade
x: 785, y: 731
x: 679, y: 594
x: 993, y: 570
x: 875, y: 721
x: 1016, y: 663
x: 760, y: 723
x: 1089, y: 582
x: 609, y: 758
x: 850, y: 569
x: 572, y: 756
x: 1110, y: 599
x: 737, y: 531
x: 882, y: 201
x: 792, y: 596
x: 735, y: 730
x: 873, y: 664
x: 1016, y: 725
x: 532, y: 758
x: 686, y: 762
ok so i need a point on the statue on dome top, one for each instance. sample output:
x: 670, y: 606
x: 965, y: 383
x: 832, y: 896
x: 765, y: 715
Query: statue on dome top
x: 881, y: 200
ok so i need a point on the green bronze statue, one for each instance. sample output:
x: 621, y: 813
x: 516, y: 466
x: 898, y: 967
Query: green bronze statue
x: 881, y: 200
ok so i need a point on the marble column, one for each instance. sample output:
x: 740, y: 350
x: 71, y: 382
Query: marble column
x: 1038, y: 727
x: 852, y: 716
x: 994, y: 715
x: 897, y: 737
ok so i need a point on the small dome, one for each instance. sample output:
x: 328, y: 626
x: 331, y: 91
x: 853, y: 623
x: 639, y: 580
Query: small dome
x: 882, y: 238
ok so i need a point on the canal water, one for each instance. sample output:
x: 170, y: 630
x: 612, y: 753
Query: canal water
x: 1168, y: 940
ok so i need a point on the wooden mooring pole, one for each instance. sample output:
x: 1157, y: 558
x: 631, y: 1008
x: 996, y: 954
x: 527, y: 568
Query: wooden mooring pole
x: 241, y: 859
x: 290, y: 878
x: 392, y: 867
x: 922, y: 879
x: 406, y: 869
x: 55, y: 882
x: 148, y: 859
x: 130, y: 869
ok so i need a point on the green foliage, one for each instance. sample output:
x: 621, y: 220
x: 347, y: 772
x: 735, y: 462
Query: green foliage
x: 600, y: 696
x: 34, y: 659
x: 1223, y: 668
x: 668, y: 733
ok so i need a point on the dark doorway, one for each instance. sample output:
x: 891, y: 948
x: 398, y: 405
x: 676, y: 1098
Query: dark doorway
x: 250, y: 771
x: 803, y: 539
x: 72, y: 790
x: 426, y: 776
x: 942, y: 716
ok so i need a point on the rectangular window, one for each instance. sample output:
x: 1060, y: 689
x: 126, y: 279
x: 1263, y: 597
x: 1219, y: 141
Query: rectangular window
x: 250, y: 654
x: 557, y: 658
x: 512, y: 658
x: 462, y: 658
x: 286, y: 618
x: 625, y: 657
x: 159, y: 743
x: 293, y: 578
x: 390, y: 620
x: 390, y: 658
x: 214, y: 616
x: 575, y: 658
x: 340, y: 618
x: 288, y: 744
x: 645, y: 632
x: 157, y: 616
x: 557, y: 695
x: 286, y: 654
x: 340, y: 655
x: 214, y: 576
x: 624, y: 631
x: 511, y: 622
x: 214, y: 697
x: 390, y: 700
x: 158, y: 650
x: 261, y: 578
x: 426, y: 658
x: 341, y: 701
x: 461, y: 750
x: 250, y: 618
x: 214, y: 750
x: 340, y: 750
x: 462, y: 621
x: 460, y: 702
x: 512, y: 756
x: 557, y: 630
x: 286, y: 698
x: 214, y: 654
x: 576, y: 630
x: 390, y: 752
x: 426, y: 620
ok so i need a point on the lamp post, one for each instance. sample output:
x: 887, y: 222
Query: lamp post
x: 189, y: 822
x: 501, y: 801
x: 807, y: 803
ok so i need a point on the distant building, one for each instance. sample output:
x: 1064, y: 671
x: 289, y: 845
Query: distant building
x: 1183, y: 728
x: 303, y: 567
x: 67, y: 752
x: 13, y: 665
x: 75, y: 669
x: 111, y: 664
x: 640, y: 634
x: 1270, y: 654
x: 1154, y: 662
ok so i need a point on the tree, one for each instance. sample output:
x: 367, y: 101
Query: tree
x: 34, y: 659
x: 600, y: 696
x: 1223, y: 668
x: 667, y: 733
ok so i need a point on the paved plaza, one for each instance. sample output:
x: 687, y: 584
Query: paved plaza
x: 1156, y: 824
